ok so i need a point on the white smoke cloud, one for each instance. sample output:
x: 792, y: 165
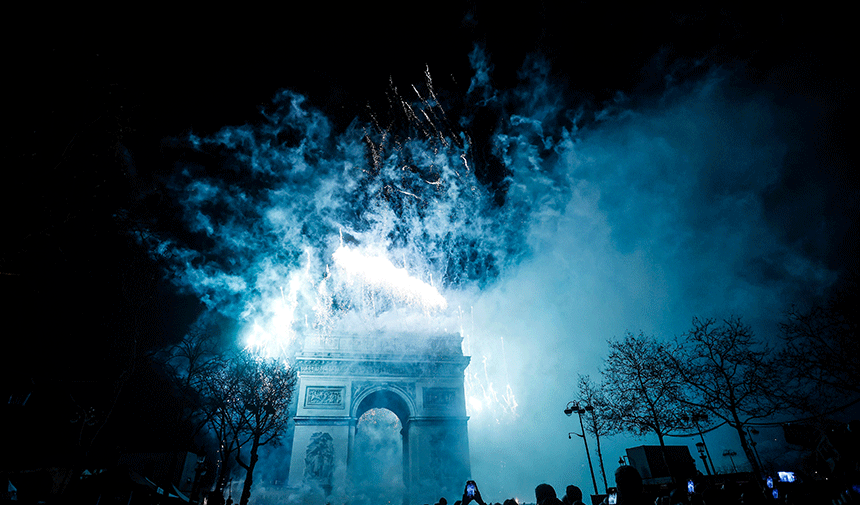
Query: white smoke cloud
x: 662, y: 220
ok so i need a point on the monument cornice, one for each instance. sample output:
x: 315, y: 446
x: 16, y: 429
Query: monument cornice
x: 380, y: 367
x: 325, y: 420
x: 438, y: 419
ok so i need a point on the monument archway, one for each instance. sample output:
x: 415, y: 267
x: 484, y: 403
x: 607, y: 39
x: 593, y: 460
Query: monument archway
x: 377, y: 456
x: 418, y: 378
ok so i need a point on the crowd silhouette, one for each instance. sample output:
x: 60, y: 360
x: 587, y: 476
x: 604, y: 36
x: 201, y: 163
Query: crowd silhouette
x: 629, y: 490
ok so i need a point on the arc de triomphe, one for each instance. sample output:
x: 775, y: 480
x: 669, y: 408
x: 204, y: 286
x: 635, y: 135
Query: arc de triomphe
x: 418, y: 378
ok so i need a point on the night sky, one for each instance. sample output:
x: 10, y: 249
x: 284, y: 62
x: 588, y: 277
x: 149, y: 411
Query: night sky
x: 628, y: 169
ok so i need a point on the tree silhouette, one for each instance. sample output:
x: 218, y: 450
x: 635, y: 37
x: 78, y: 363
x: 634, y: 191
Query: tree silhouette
x: 820, y: 349
x: 642, y: 387
x: 727, y: 373
x: 265, y: 390
x: 220, y: 389
x: 188, y: 364
x: 243, y: 398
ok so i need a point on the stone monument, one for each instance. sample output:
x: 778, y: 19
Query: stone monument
x: 417, y: 377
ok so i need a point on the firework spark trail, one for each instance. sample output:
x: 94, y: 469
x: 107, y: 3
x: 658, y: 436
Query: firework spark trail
x: 508, y: 397
x: 481, y: 397
x: 262, y: 240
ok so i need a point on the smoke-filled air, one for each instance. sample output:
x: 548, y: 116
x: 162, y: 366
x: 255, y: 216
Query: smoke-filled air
x: 537, y: 238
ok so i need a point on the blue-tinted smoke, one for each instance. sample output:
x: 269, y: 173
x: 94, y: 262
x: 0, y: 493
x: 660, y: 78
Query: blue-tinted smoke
x: 270, y: 202
x: 549, y: 226
x: 459, y: 202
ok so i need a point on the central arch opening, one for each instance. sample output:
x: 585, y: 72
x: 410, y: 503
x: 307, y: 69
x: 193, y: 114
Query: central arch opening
x: 377, y: 456
x: 378, y: 459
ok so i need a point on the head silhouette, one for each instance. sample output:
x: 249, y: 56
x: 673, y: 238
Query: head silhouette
x: 574, y: 493
x: 629, y: 483
x: 543, y: 492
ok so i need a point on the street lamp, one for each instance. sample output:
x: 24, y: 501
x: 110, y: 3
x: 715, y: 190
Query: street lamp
x: 730, y: 453
x: 750, y: 433
x: 697, y: 418
x: 700, y: 446
x: 570, y: 409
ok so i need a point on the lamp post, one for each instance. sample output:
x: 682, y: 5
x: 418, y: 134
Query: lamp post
x: 730, y: 453
x: 750, y: 433
x: 595, y: 428
x: 700, y: 446
x: 697, y: 418
x: 570, y: 409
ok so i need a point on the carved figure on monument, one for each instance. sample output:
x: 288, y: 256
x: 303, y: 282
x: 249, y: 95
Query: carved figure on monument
x: 326, y: 397
x: 319, y: 460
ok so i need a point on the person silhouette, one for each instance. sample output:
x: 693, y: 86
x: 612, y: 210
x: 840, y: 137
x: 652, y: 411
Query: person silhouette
x: 572, y: 496
x: 471, y: 493
x: 545, y: 495
x: 628, y: 482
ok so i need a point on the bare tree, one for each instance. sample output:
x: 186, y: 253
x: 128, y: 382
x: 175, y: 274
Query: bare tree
x: 727, y: 373
x: 265, y: 390
x: 600, y: 422
x: 820, y: 349
x: 244, y: 399
x: 189, y: 364
x: 642, y: 387
x: 220, y: 387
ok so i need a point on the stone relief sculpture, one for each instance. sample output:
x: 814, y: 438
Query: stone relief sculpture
x: 319, y: 460
x: 324, y: 397
x: 439, y: 397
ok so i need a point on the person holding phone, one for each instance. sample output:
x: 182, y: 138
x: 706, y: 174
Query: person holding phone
x: 471, y: 494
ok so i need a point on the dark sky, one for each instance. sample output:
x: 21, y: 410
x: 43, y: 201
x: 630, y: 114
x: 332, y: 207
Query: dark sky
x: 707, y: 173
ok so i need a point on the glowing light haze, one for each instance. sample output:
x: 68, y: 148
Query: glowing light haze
x: 359, y: 231
x: 378, y: 273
